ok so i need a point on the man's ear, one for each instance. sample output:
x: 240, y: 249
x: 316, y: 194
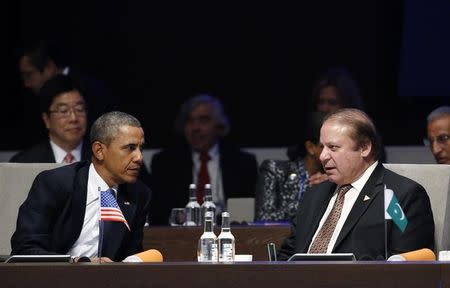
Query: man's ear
x: 366, y: 148
x: 98, y: 150
x: 46, y: 120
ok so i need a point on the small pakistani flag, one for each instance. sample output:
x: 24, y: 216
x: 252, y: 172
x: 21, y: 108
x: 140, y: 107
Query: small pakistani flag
x: 393, y: 210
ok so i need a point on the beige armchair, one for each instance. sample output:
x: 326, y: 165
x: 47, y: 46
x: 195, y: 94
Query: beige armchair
x: 15, y: 183
x: 435, y: 178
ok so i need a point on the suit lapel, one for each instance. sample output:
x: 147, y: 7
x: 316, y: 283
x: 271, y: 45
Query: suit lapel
x: 371, y: 189
x: 322, y: 197
x: 48, y: 153
x: 79, y: 201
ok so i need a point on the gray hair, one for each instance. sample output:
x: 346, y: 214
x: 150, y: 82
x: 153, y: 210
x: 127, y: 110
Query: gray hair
x: 195, y: 101
x: 438, y: 112
x: 107, y: 126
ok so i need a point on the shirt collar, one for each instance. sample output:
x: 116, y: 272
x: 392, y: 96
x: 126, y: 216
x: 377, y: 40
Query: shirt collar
x: 97, y: 181
x: 61, y: 153
x: 213, y: 153
x: 359, y: 184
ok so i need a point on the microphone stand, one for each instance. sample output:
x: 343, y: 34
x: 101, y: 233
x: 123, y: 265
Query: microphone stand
x: 101, y: 228
x: 385, y: 224
x: 100, y: 241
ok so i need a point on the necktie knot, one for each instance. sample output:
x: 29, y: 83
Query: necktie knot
x: 204, y: 157
x: 68, y: 158
x: 344, y: 189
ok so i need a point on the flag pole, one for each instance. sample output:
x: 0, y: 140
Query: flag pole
x: 101, y: 228
x: 385, y: 224
x: 100, y: 241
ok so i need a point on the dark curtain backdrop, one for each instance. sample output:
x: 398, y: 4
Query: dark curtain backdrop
x: 259, y: 57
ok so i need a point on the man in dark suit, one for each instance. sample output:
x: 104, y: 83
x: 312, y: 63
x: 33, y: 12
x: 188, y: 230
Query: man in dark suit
x: 42, y: 60
x: 63, y: 111
x: 61, y: 213
x: 232, y: 172
x: 335, y: 217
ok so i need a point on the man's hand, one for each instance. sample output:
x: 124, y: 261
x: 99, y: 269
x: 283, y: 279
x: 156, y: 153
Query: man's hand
x: 101, y: 260
x: 317, y: 178
x: 92, y: 259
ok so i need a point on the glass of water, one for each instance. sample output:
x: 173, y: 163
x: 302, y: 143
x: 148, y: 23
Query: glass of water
x: 177, y: 217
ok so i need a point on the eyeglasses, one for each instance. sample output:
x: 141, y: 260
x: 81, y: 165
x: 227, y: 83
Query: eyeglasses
x: 65, y: 111
x: 440, y: 139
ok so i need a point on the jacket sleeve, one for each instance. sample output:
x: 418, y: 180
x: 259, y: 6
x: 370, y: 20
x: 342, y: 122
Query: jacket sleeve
x: 419, y: 232
x: 37, y: 217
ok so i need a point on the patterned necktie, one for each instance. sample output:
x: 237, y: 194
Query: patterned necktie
x: 203, y: 176
x: 320, y: 244
x: 68, y: 158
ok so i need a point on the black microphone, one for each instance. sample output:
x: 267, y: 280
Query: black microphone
x: 84, y: 259
x: 271, y: 251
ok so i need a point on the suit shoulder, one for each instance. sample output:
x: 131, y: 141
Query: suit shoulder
x: 65, y: 170
x: 390, y: 177
x: 38, y: 153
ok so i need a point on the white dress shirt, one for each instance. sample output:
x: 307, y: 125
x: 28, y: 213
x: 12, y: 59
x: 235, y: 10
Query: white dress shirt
x: 61, y: 153
x: 87, y: 242
x: 349, y: 199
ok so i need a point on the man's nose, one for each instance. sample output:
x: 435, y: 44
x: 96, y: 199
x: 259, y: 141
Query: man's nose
x: 324, y: 155
x: 435, y: 147
x: 139, y: 156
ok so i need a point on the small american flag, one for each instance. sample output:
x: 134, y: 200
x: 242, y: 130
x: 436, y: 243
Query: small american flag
x: 109, y: 209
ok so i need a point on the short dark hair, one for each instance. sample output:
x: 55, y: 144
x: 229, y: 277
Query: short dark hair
x: 107, y: 126
x: 346, y: 88
x: 192, y: 103
x: 42, y: 51
x: 362, y: 128
x: 55, y: 86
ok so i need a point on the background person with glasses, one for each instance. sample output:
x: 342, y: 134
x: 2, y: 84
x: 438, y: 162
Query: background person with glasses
x: 438, y: 134
x: 64, y: 113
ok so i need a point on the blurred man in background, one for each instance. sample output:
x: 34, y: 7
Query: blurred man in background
x: 438, y: 134
x: 230, y: 171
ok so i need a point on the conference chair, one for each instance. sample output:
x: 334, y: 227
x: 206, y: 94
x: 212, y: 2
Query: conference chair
x: 435, y: 178
x: 15, y: 183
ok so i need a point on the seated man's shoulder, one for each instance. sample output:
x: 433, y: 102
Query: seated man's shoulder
x: 39, y: 153
x: 398, y: 180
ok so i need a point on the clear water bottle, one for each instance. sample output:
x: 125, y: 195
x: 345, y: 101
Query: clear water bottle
x: 226, y: 241
x: 208, y: 204
x: 192, y: 208
x: 207, y: 244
